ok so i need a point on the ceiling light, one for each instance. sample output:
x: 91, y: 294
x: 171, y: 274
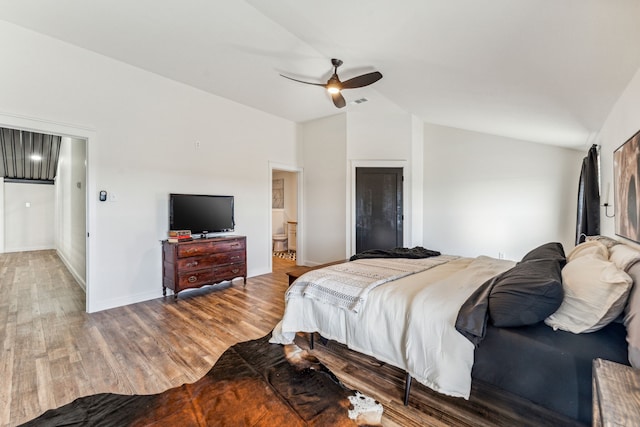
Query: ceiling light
x: 333, y: 89
x: 36, y: 157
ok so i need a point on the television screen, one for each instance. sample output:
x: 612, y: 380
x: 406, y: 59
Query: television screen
x: 201, y: 214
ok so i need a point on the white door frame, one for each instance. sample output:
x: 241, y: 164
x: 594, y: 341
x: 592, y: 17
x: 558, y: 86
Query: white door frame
x: 78, y: 132
x: 300, y: 230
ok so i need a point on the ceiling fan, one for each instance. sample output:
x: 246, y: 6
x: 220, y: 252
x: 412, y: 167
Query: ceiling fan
x: 334, y: 86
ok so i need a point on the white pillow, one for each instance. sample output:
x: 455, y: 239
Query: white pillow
x: 587, y: 248
x: 605, y: 240
x: 595, y: 293
x: 624, y: 256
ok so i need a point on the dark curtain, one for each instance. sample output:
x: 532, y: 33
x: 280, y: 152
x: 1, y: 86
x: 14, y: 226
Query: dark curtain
x: 588, y: 223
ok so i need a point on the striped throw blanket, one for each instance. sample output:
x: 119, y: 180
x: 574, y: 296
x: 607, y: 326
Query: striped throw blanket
x: 347, y: 285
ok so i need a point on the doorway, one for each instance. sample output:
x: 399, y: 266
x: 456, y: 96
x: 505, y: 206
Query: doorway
x: 285, y: 217
x: 379, y: 213
x: 71, y: 204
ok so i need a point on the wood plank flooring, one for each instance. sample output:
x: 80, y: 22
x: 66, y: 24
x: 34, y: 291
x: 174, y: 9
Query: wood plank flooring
x: 54, y: 352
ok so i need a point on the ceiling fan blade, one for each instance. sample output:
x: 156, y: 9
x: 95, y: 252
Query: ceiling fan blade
x: 363, y: 80
x: 301, y: 81
x: 335, y: 85
x: 338, y: 100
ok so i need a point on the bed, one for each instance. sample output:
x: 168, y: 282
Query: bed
x: 514, y: 338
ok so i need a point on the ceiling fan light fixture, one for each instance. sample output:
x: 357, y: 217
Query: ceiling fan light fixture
x: 334, y: 86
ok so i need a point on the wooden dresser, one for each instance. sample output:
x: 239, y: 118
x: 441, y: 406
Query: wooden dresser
x: 203, y: 262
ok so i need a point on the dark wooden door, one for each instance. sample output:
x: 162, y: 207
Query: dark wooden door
x: 379, y: 213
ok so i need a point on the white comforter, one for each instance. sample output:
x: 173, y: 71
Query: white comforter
x: 408, y: 323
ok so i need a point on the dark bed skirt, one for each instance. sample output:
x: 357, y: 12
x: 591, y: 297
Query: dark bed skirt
x: 549, y: 368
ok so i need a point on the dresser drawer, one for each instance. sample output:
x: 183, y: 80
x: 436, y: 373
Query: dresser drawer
x: 197, y: 248
x: 211, y: 275
x: 206, y: 261
x: 229, y: 272
x: 233, y: 258
x: 196, y: 278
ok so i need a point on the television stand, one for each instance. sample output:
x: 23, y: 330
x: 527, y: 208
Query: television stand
x: 204, y: 261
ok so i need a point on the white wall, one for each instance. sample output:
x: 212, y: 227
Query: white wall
x: 71, y: 207
x: 621, y: 124
x: 324, y: 147
x: 417, y: 182
x: 143, y: 131
x: 28, y: 216
x: 378, y: 136
x: 485, y: 195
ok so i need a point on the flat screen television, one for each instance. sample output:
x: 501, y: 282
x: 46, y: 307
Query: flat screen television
x: 202, y: 214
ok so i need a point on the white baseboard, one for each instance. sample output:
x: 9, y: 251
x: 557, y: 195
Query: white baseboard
x: 28, y: 249
x: 125, y: 300
x: 81, y: 281
x: 141, y: 297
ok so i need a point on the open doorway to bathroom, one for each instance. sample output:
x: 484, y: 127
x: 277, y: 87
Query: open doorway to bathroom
x: 284, y: 219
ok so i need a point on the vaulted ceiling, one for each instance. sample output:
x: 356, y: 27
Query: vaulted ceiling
x: 542, y: 71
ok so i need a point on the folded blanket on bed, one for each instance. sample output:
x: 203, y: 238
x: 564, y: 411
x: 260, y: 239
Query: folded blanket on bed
x: 347, y: 285
x: 413, y: 253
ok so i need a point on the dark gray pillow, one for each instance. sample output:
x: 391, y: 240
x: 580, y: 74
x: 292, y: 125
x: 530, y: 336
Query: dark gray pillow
x: 474, y: 313
x: 526, y: 294
x: 552, y: 250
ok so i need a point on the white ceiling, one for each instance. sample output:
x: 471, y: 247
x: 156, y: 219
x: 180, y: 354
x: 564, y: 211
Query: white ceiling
x: 540, y: 70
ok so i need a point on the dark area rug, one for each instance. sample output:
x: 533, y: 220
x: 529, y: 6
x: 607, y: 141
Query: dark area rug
x: 252, y: 384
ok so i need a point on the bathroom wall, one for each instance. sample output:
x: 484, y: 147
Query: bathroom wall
x: 290, y: 210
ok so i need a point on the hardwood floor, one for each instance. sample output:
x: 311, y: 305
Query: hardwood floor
x: 54, y: 352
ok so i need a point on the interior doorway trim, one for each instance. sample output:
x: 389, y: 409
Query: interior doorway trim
x: 79, y: 132
x: 351, y: 199
x: 299, y: 202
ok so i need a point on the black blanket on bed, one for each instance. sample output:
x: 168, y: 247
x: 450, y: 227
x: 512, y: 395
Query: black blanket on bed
x: 413, y: 253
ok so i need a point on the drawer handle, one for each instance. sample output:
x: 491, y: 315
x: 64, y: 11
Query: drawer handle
x: 235, y: 257
x: 235, y: 270
x: 192, y: 279
x: 235, y: 245
x: 192, y: 264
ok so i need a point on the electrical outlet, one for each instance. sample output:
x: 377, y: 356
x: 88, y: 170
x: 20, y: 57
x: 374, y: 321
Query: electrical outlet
x: 500, y: 255
x: 197, y: 145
